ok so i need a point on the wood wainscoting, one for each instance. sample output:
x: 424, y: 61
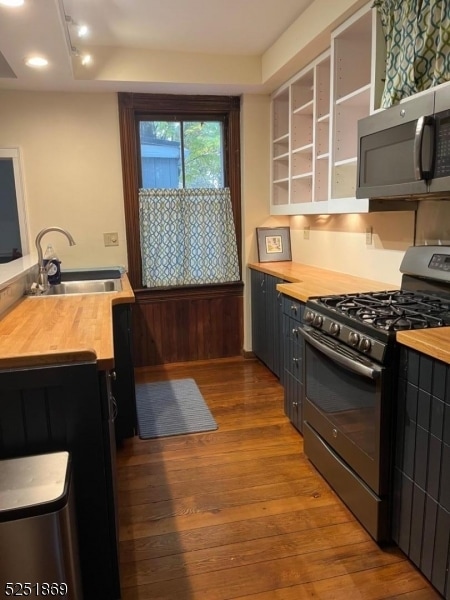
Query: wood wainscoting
x: 184, y: 324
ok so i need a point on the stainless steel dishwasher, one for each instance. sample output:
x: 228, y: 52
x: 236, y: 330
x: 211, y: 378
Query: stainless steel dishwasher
x: 38, y: 540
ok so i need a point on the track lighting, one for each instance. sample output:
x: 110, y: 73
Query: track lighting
x: 81, y: 30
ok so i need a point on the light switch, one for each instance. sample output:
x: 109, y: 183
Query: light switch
x: 111, y: 239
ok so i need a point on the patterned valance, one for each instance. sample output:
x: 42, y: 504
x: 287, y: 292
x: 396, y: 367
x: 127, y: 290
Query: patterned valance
x: 417, y: 34
x: 187, y: 237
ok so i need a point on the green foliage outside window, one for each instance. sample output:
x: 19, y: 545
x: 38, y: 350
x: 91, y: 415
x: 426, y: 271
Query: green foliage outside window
x: 165, y: 165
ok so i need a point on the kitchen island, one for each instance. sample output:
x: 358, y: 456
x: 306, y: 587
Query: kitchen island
x: 56, y: 393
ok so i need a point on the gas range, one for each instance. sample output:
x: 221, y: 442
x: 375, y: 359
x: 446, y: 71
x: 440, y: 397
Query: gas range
x: 368, y: 321
x: 350, y: 373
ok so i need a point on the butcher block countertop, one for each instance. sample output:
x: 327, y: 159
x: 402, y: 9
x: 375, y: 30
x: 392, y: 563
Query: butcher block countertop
x: 49, y: 330
x: 308, y: 281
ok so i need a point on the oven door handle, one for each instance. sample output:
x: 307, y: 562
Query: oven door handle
x: 373, y: 371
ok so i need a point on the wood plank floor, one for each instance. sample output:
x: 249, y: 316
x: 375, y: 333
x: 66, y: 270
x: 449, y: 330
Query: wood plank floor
x: 240, y: 512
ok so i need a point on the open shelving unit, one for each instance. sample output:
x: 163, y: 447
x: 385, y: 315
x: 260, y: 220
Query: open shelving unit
x: 314, y: 121
x: 301, y: 184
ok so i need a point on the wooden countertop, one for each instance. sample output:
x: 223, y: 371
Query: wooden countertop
x: 308, y: 281
x: 434, y: 342
x: 44, y: 330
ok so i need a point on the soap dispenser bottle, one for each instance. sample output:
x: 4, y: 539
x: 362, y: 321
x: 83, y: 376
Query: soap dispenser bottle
x: 52, y: 265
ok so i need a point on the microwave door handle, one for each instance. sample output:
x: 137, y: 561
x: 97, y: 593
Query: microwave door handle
x: 356, y: 367
x: 418, y: 148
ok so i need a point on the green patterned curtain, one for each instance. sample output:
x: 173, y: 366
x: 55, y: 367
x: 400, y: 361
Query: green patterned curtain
x: 417, y: 34
x: 187, y: 237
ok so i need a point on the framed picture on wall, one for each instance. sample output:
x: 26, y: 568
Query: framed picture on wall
x: 274, y: 243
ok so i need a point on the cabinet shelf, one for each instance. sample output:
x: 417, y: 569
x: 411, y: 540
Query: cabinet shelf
x: 281, y: 156
x: 302, y: 176
x: 281, y: 138
x: 358, y: 97
x: 303, y: 149
x: 325, y: 156
x: 324, y: 118
x: 282, y: 180
x: 305, y: 109
x: 346, y: 161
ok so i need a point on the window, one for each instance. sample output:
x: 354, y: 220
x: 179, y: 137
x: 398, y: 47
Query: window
x: 13, y: 227
x: 177, y: 143
x: 181, y: 154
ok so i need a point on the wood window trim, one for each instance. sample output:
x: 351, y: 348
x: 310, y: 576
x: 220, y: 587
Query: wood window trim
x: 132, y: 106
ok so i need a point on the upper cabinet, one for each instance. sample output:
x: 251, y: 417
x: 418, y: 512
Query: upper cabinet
x: 300, y: 140
x: 314, y: 121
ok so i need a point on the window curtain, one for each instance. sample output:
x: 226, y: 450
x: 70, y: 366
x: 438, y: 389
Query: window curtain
x: 187, y: 237
x: 417, y: 34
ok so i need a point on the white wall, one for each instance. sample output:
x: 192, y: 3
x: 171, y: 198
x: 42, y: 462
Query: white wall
x: 338, y: 242
x: 72, y: 174
x: 255, y: 173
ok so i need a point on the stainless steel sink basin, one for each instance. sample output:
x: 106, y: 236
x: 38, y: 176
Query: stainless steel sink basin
x: 99, y: 286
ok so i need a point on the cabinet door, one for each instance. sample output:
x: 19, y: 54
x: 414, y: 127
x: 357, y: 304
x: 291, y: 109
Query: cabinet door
x: 267, y: 340
x: 123, y: 381
x: 421, y: 517
x: 258, y: 283
x: 273, y: 327
x: 58, y: 408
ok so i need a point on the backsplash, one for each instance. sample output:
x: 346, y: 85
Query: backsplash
x: 12, y: 292
x: 433, y: 223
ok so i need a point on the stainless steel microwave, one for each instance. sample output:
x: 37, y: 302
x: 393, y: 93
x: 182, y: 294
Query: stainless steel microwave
x: 404, y: 151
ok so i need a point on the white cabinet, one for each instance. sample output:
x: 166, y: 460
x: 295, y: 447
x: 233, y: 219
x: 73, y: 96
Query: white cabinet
x: 314, y: 121
x: 300, y: 140
x: 352, y: 99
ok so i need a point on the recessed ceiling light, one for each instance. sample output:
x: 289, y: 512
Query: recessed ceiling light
x: 36, y: 61
x: 86, y: 59
x: 11, y: 2
x: 83, y: 30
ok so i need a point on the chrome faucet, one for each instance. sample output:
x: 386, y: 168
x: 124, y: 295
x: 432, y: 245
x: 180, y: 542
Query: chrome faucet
x: 43, y: 277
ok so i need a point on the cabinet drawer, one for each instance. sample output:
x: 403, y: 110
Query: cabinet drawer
x: 293, y: 362
x: 293, y: 308
x: 291, y: 328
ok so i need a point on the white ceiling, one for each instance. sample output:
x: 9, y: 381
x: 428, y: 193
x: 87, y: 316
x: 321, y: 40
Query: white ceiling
x: 233, y: 28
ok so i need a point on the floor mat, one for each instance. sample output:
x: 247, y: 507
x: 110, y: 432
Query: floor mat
x: 171, y: 408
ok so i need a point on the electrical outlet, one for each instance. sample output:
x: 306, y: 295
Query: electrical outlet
x: 369, y: 234
x: 306, y: 231
x: 111, y: 239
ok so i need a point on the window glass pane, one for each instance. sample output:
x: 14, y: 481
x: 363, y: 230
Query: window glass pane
x: 203, y: 154
x: 10, y: 243
x: 160, y: 154
x: 165, y: 165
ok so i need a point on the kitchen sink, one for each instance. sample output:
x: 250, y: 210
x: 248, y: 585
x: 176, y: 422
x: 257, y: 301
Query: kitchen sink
x: 84, y: 281
x: 98, y: 286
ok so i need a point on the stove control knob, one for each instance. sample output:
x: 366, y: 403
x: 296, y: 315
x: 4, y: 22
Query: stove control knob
x: 309, y: 316
x: 365, y: 345
x: 353, y: 338
x: 318, y: 320
x: 334, y: 328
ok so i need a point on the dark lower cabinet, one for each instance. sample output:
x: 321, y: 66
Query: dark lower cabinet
x: 293, y: 361
x: 267, y: 340
x: 69, y: 407
x: 421, y: 478
x: 122, y: 383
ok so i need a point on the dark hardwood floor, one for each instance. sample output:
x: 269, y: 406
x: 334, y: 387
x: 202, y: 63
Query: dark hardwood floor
x: 240, y: 512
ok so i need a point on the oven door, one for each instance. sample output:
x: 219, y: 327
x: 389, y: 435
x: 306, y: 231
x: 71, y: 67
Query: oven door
x: 346, y: 404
